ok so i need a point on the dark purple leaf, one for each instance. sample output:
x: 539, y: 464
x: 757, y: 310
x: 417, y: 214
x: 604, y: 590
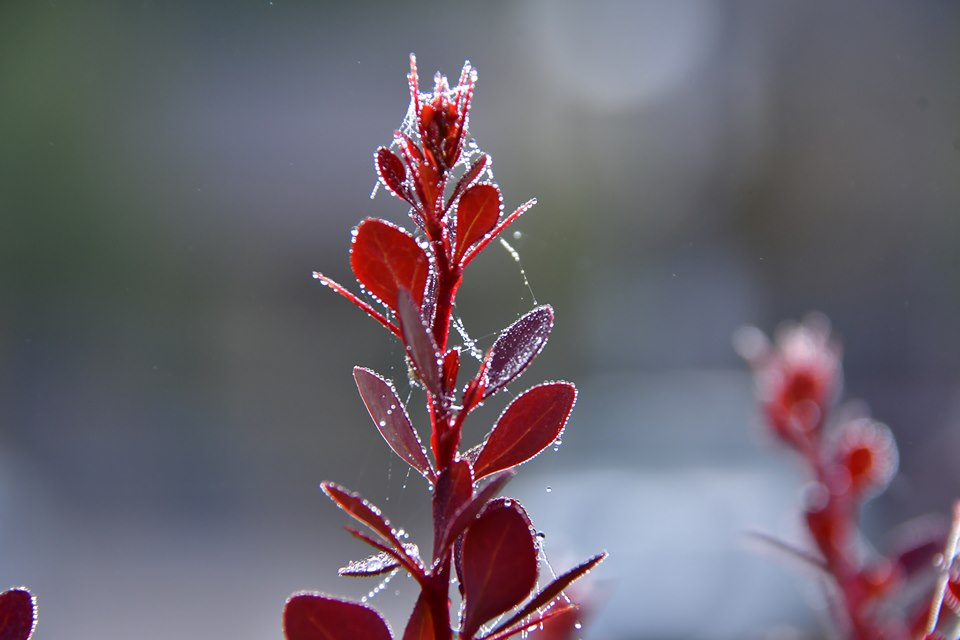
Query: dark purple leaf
x: 386, y: 259
x: 479, y: 209
x: 419, y: 343
x: 454, y: 489
x: 516, y: 348
x: 313, y: 616
x: 499, y: 563
x: 421, y: 625
x: 17, y: 614
x: 469, y: 511
x: 392, y: 173
x: 392, y: 421
x: 528, y: 426
x: 355, y: 505
x: 551, y: 591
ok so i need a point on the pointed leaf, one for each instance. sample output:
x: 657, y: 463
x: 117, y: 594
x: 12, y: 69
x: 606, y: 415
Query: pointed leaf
x: 499, y: 563
x: 17, y: 614
x: 392, y: 173
x: 516, y: 348
x: 469, y: 511
x: 551, y: 591
x: 413, y: 565
x: 454, y: 489
x: 503, y: 224
x: 559, y: 622
x: 421, y: 625
x: 356, y: 506
x: 385, y: 258
x: 391, y: 418
x: 469, y: 177
x: 528, y: 425
x: 477, y: 214
x: 451, y: 367
x: 377, y: 564
x: 363, y: 305
x: 418, y: 342
x: 313, y: 616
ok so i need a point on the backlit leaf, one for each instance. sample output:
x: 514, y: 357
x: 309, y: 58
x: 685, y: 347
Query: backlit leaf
x: 313, y: 616
x: 377, y: 564
x: 516, y: 348
x: 391, y: 419
x: 421, y: 625
x: 551, y: 591
x: 17, y: 614
x: 469, y: 511
x: 385, y: 259
x: 357, y: 506
x: 499, y: 563
x: 477, y: 214
x: 528, y: 426
x: 418, y: 342
x: 392, y: 173
x: 454, y: 489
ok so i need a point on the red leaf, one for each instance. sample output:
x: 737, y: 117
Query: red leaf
x: 468, y: 512
x: 499, y: 564
x: 385, y: 258
x: 418, y: 342
x: 469, y: 177
x: 357, y: 507
x: 421, y: 625
x: 551, y: 591
x: 454, y: 489
x: 451, y: 366
x: 312, y: 616
x: 527, y: 427
x: 17, y: 614
x: 516, y: 347
x: 377, y: 564
x: 392, y: 173
x: 477, y: 214
x: 390, y: 416
x: 868, y: 452
x: 503, y: 224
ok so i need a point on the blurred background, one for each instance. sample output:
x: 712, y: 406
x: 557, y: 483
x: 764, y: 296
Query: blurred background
x: 174, y: 385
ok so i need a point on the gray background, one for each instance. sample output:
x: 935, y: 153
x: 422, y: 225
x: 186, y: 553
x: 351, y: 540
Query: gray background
x: 174, y: 386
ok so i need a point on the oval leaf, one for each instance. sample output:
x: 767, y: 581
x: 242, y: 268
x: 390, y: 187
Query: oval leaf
x: 392, y: 172
x: 384, y: 258
x: 313, y: 616
x: 418, y: 342
x: 526, y: 427
x: 516, y: 348
x: 499, y: 563
x: 17, y: 615
x: 391, y: 418
x: 477, y: 214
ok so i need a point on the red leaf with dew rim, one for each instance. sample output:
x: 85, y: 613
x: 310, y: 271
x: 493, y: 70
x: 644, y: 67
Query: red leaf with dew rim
x: 454, y: 489
x: 516, y: 348
x: 357, y: 507
x: 392, y: 173
x: 391, y: 419
x: 17, y: 614
x: 421, y: 625
x: 550, y: 592
x: 469, y: 177
x: 313, y: 616
x: 384, y: 258
x: 527, y: 426
x: 469, y: 511
x: 499, y: 563
x: 418, y: 342
x: 479, y: 209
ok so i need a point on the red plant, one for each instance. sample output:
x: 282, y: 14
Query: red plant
x: 850, y: 458
x: 485, y: 543
x: 18, y: 615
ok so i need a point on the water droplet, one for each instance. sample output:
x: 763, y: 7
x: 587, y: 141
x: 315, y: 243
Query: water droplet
x: 549, y: 489
x: 578, y: 626
x: 508, y: 502
x: 383, y: 423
